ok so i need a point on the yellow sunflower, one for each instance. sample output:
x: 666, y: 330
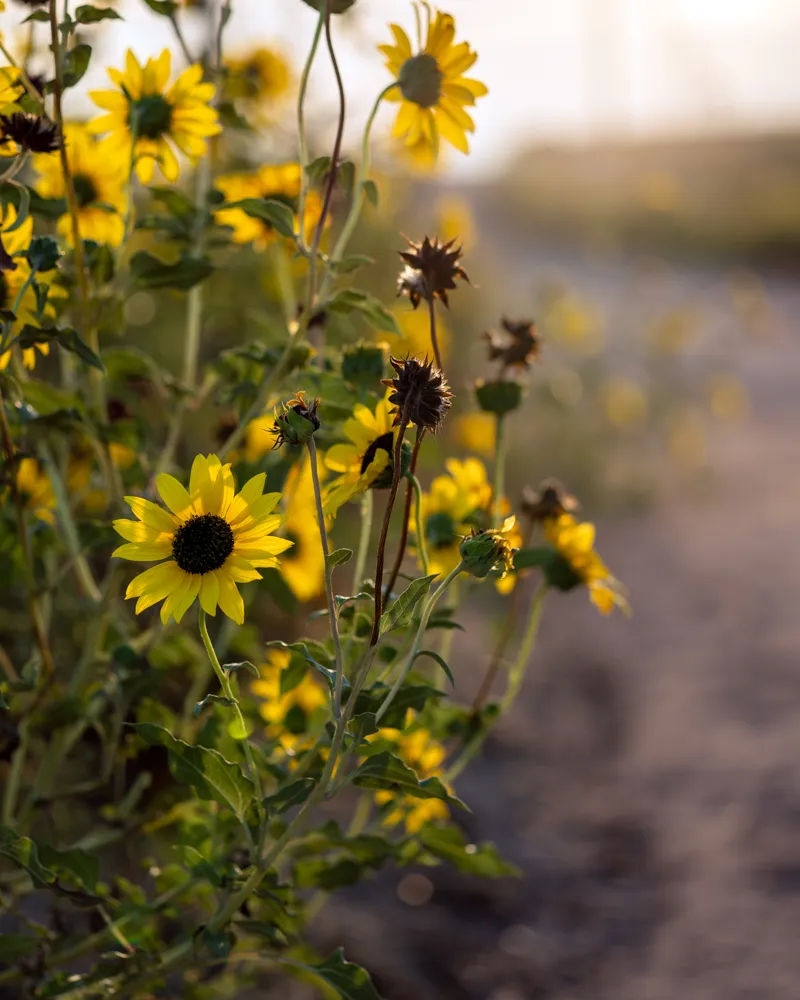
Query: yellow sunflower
x: 34, y: 487
x: 303, y: 566
x: 574, y: 542
x: 287, y: 715
x: 451, y: 509
x: 12, y: 283
x: 366, y: 461
x: 425, y: 756
x: 278, y: 181
x: 99, y: 173
x: 258, y: 77
x: 10, y: 92
x: 146, y: 110
x: 431, y: 87
x: 212, y: 538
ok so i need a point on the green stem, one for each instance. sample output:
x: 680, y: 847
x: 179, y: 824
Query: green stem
x: 422, y: 548
x: 332, y: 612
x: 301, y: 127
x: 367, y: 506
x: 430, y: 604
x: 227, y: 690
x: 499, y: 471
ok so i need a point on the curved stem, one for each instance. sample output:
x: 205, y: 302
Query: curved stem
x: 332, y: 612
x: 422, y: 545
x: 367, y: 506
x: 401, y: 548
x: 187, y: 55
x: 387, y: 516
x: 437, y: 354
x: 301, y: 127
x: 499, y: 471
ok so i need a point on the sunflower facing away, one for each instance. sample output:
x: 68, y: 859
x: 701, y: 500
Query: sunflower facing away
x: 157, y: 115
x: 431, y: 88
x: 212, y: 538
x: 99, y: 173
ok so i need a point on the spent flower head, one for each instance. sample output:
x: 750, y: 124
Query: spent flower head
x: 35, y: 133
x: 420, y: 391
x: 550, y: 500
x: 431, y: 269
x: 517, y: 347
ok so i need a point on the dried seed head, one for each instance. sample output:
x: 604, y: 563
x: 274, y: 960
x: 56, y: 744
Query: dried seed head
x: 517, y: 348
x: 33, y: 132
x: 430, y: 271
x: 500, y: 396
x: 550, y: 500
x: 297, y: 423
x: 420, y: 391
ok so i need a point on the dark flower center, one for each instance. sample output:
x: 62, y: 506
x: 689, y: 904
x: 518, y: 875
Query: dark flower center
x: 384, y: 443
x: 202, y: 544
x: 150, y: 116
x: 3, y: 292
x: 421, y: 80
x: 85, y: 190
x: 294, y: 551
x: 440, y: 530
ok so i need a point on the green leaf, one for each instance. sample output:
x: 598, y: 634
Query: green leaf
x: 275, y: 213
x: 241, y: 665
x: 23, y: 852
x: 385, y: 771
x: 150, y: 272
x: 371, y: 192
x: 450, y: 844
x: 292, y: 795
x: 353, y: 263
x: 175, y: 201
x: 23, y: 205
x: 164, y: 7
x: 76, y: 63
x: 539, y: 555
x: 86, y: 14
x: 211, y: 699
x: 37, y: 15
x: 317, y: 169
x: 292, y: 674
x: 348, y: 300
x: 207, y: 771
x: 349, y: 981
x: 303, y: 649
x: 440, y: 660
x: 13, y: 947
x: 338, y: 557
x: 401, y: 611
x: 410, y: 696
x: 67, y: 339
x: 81, y: 866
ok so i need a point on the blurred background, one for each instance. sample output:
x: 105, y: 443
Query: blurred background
x: 634, y: 187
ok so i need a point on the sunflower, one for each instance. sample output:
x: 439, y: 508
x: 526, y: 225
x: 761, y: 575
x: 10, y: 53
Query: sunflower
x: 287, y: 715
x: 367, y: 461
x: 99, y: 173
x: 212, y: 538
x: 431, y: 88
x: 278, y: 181
x: 146, y: 112
x: 303, y: 566
x: 455, y: 504
x: 573, y: 540
x: 10, y: 92
x: 34, y: 487
x: 12, y: 283
x: 258, y: 77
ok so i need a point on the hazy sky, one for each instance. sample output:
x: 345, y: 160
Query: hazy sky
x: 555, y: 68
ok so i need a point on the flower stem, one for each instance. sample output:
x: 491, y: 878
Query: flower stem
x: 301, y: 126
x: 332, y: 612
x: 437, y: 354
x: 499, y: 471
x: 363, y: 539
x: 398, y: 454
x: 422, y: 546
x: 423, y: 624
x: 227, y: 690
x: 401, y: 548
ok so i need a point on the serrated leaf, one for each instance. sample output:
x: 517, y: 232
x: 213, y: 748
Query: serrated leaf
x: 86, y: 14
x: 76, y: 63
x: 206, y: 770
x: 292, y: 795
x: 275, y: 213
x: 24, y: 853
x: 349, y: 981
x: 338, y: 557
x: 67, y: 338
x: 400, y: 612
x: 450, y: 844
x: 385, y: 771
x: 211, y: 699
x: 440, y: 660
x: 150, y: 272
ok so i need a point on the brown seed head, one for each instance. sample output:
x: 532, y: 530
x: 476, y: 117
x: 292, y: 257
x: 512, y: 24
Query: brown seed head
x: 430, y: 271
x: 518, y: 347
x: 550, y: 500
x: 420, y: 391
x: 33, y: 132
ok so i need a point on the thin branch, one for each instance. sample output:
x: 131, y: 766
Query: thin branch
x: 401, y: 548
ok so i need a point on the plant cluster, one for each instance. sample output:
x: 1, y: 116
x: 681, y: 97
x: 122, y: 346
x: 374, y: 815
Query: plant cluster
x: 166, y: 785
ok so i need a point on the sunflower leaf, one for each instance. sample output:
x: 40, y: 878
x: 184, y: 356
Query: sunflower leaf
x: 150, y: 272
x: 384, y: 771
x: 246, y: 664
x: 24, y: 853
x: 68, y: 339
x: 75, y: 64
x: 371, y: 192
x: 292, y: 795
x: 337, y: 6
x: 347, y: 980
x: 440, y: 660
x: 338, y: 558
x: 86, y: 14
x: 164, y: 7
x: 347, y: 300
x: 210, y: 699
x: 450, y: 844
x: 268, y: 210
x: 400, y: 612
x: 206, y: 770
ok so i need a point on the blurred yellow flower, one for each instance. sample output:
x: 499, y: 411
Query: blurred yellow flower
x: 258, y: 438
x: 574, y: 542
x: 624, y: 402
x: 258, y: 77
x: 151, y: 116
x: 279, y: 181
x: 287, y: 715
x: 415, y: 340
x: 10, y: 92
x: 576, y: 325
x: 34, y: 487
x: 476, y: 431
x: 425, y: 756
x: 456, y: 221
x: 688, y: 447
x: 303, y: 566
x: 431, y: 87
x: 728, y: 397
x: 99, y: 174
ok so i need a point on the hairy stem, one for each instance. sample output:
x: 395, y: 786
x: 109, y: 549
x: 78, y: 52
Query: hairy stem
x: 401, y: 548
x: 437, y: 354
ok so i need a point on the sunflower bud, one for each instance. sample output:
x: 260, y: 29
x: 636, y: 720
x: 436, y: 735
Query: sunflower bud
x: 297, y: 423
x: 420, y: 391
x: 364, y: 363
x: 500, y: 396
x: 517, y: 348
x: 32, y: 132
x: 550, y: 500
x: 484, y: 550
x: 430, y: 271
